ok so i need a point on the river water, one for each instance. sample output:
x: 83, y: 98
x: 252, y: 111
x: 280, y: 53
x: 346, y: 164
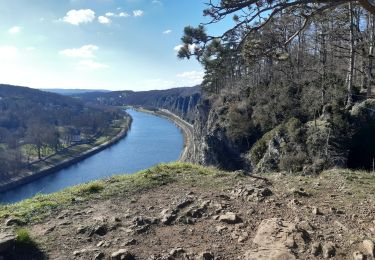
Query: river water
x: 150, y: 141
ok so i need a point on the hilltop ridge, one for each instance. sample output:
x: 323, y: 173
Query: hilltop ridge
x: 183, y: 211
x: 180, y: 101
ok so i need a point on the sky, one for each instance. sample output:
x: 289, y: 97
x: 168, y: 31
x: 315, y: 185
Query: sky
x: 97, y: 44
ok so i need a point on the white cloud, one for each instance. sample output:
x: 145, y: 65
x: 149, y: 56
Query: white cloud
x: 178, y: 47
x: 8, y: 52
x: 76, y: 17
x: 91, y: 65
x: 191, y: 77
x: 104, y: 20
x: 138, y: 13
x: 86, y: 51
x: 15, y: 30
x: 192, y: 47
x: 109, y: 14
x: 123, y: 14
x: 159, y: 2
x: 167, y: 31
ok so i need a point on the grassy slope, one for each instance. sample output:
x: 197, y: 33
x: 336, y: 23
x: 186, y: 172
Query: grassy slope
x: 42, y: 205
x: 361, y: 185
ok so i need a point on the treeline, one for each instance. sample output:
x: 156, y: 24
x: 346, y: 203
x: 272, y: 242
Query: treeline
x: 295, y: 67
x: 35, y: 124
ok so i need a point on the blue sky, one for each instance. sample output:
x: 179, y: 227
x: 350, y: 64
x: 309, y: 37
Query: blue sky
x: 97, y: 44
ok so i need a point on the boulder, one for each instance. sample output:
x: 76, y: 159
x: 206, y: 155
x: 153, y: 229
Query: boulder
x: 275, y: 238
x: 277, y: 233
x: 269, y: 254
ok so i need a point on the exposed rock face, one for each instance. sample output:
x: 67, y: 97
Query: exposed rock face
x: 271, y: 158
x: 292, y: 146
x: 275, y: 239
x: 212, y: 145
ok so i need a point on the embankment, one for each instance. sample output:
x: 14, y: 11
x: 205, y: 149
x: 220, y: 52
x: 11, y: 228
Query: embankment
x: 30, y: 176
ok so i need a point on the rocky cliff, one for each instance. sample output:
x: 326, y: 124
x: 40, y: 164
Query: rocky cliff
x: 213, y: 147
x: 336, y: 139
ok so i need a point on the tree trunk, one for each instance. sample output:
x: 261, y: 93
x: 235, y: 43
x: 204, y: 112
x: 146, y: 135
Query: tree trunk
x: 349, y: 101
x: 370, y: 78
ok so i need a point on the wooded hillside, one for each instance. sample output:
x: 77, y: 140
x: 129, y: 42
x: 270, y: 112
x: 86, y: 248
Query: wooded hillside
x: 36, y: 124
x: 283, y: 82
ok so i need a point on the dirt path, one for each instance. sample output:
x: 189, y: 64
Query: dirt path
x: 219, y: 216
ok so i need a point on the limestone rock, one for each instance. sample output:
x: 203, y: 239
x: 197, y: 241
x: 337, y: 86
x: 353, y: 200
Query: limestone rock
x: 14, y: 222
x: 358, y: 256
x: 275, y: 239
x: 269, y: 254
x: 369, y: 247
x: 122, y: 254
x: 316, y: 211
x: 185, y: 202
x: 276, y: 233
x: 177, y: 251
x: 168, y: 216
x: 230, y: 218
x: 99, y: 256
x: 329, y: 250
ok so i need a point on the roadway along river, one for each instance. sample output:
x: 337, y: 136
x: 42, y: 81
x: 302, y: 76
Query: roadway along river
x: 151, y: 140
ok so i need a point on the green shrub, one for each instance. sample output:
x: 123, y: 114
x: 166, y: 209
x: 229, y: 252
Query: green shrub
x: 260, y: 147
x: 93, y: 187
x: 23, y: 237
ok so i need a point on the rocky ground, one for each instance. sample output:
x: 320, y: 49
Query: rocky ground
x: 199, y: 213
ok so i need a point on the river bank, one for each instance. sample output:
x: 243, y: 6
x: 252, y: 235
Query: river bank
x: 67, y: 158
x: 185, y: 127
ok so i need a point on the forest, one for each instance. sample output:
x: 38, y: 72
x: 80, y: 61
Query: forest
x: 36, y: 124
x: 291, y: 83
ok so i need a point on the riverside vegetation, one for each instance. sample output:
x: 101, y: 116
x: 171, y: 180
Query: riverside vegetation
x: 39, y: 130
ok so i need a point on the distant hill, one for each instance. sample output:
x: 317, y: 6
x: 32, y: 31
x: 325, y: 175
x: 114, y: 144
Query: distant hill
x: 34, y: 123
x: 181, y: 101
x: 72, y: 92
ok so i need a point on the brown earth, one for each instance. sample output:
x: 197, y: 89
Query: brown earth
x: 215, y: 216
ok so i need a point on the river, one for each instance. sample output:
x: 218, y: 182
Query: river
x: 150, y: 141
